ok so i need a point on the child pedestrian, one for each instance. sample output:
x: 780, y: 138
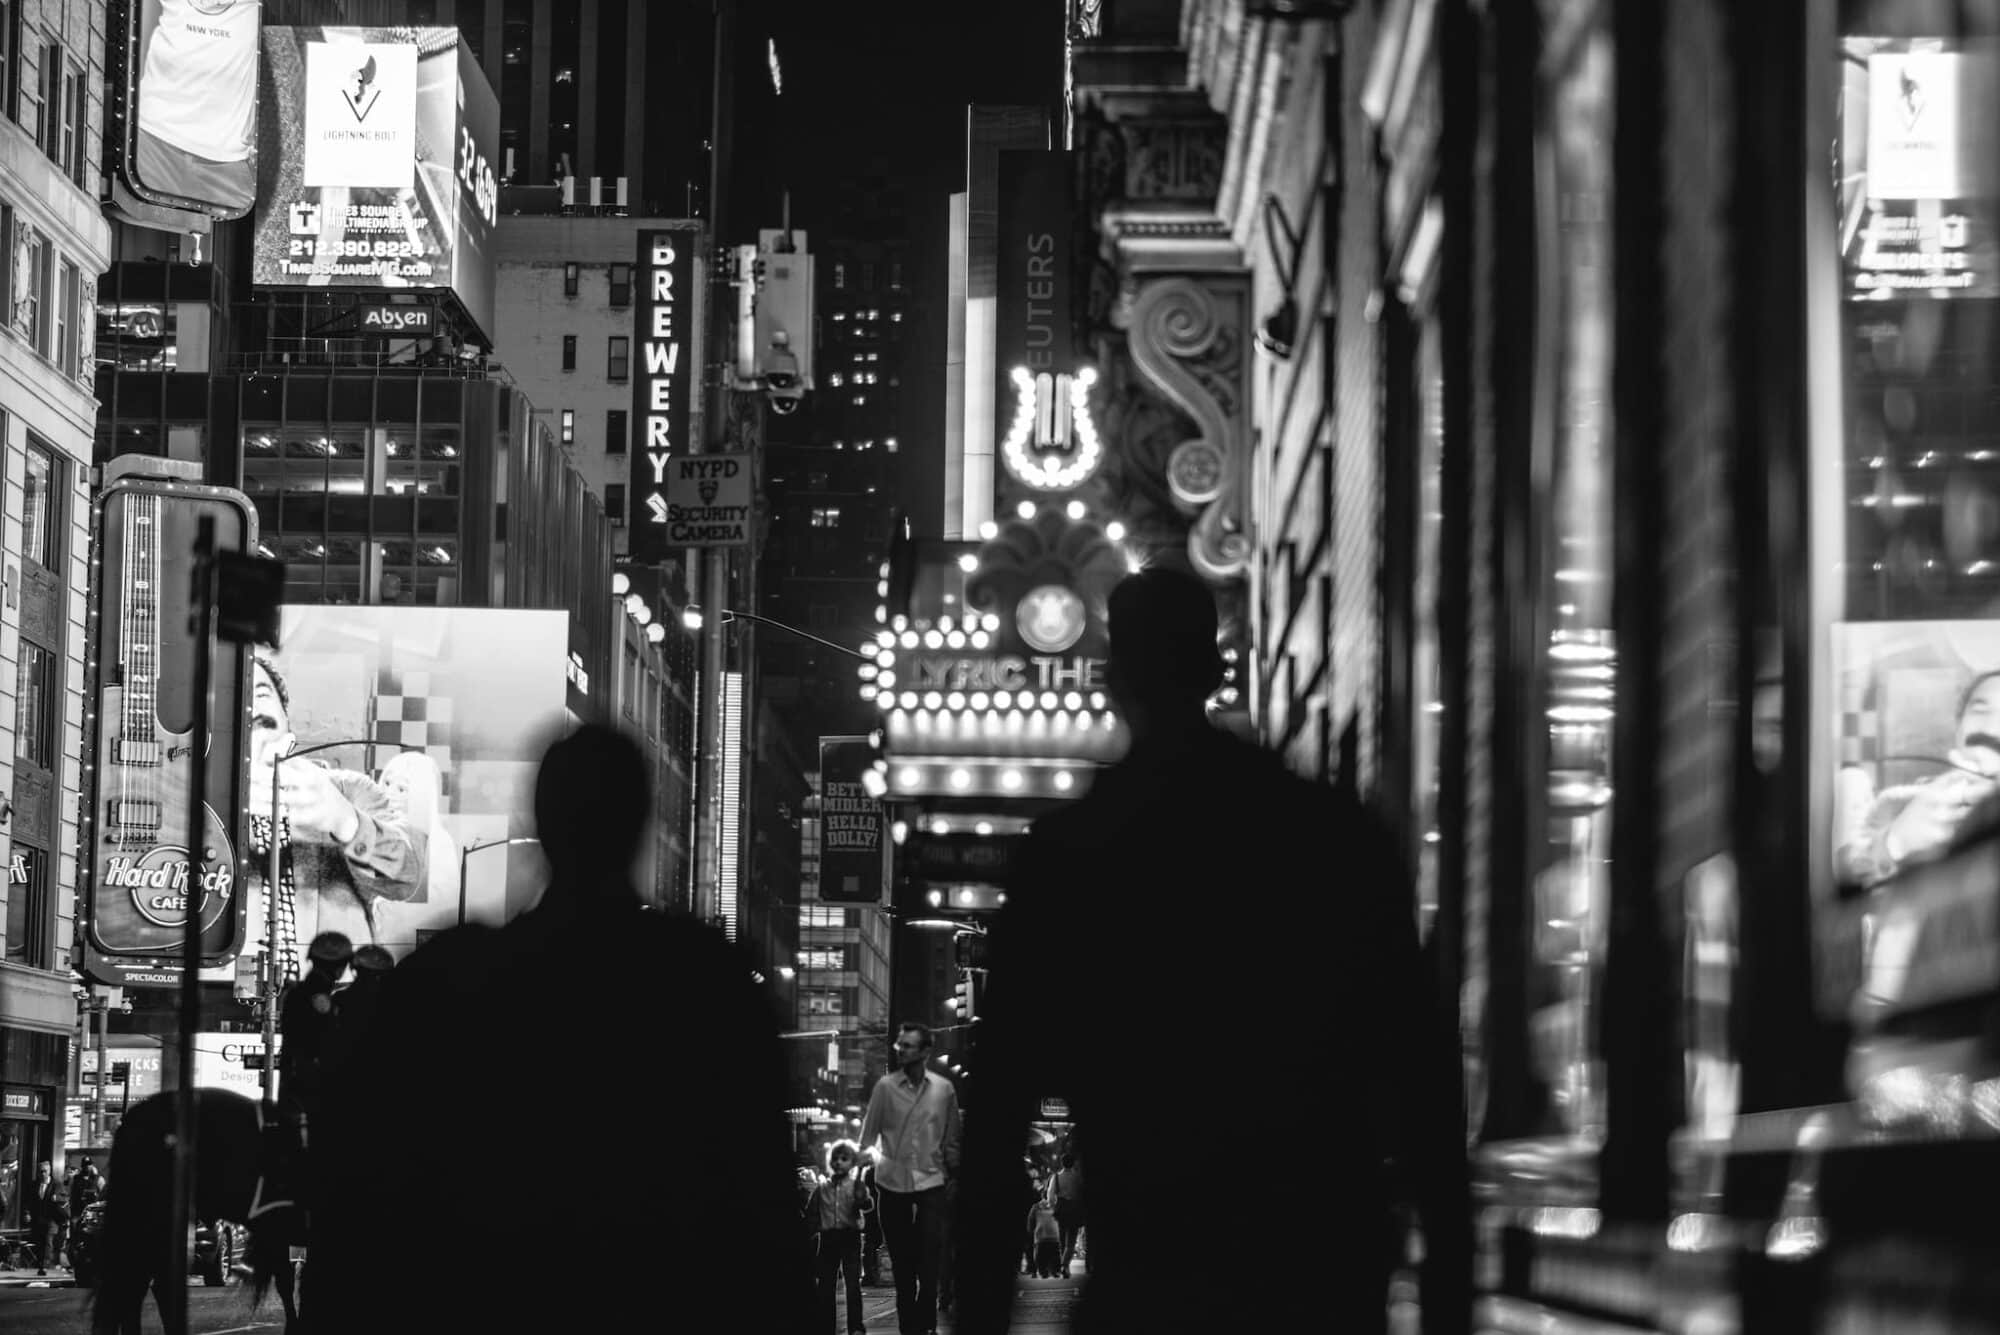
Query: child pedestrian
x: 838, y: 1212
x: 1047, y: 1233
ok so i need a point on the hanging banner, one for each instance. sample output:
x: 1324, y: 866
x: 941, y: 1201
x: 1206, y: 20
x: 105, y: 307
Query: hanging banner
x: 854, y: 827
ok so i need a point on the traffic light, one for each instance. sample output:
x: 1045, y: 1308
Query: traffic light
x: 962, y: 1003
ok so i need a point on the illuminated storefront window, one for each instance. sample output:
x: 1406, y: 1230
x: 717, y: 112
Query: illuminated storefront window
x: 1906, y: 505
x: 1574, y: 503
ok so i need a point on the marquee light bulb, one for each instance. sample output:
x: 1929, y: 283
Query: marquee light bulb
x: 940, y: 827
x: 1076, y: 510
x: 980, y: 639
x: 988, y: 530
x: 1026, y: 509
x: 900, y: 623
x: 955, y: 640
x: 885, y: 659
x: 885, y: 677
x: 1001, y: 700
x: 954, y: 701
x: 909, y: 640
x: 907, y: 777
x: 933, y: 639
x: 1115, y: 531
x: 887, y: 639
x: 1011, y: 780
x: 621, y: 584
x: 1064, y: 781
x: 980, y: 700
x: 991, y: 621
x: 961, y: 779
x: 1073, y: 701
x: 968, y: 563
x: 1048, y: 700
x: 932, y: 700
x: 909, y: 699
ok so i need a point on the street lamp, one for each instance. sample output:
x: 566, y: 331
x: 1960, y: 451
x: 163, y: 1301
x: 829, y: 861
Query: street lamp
x: 691, y: 617
x: 469, y: 850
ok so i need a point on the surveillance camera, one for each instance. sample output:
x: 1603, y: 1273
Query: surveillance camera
x: 126, y: 1006
x: 780, y: 381
x: 784, y: 407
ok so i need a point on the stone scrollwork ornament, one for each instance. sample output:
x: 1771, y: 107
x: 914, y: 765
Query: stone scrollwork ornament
x: 1186, y: 339
x: 86, y: 333
x: 21, y: 316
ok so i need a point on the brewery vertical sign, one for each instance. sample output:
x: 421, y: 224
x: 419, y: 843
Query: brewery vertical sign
x: 662, y: 380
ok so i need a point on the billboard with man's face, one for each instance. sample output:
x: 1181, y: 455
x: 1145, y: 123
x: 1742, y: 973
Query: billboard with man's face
x: 430, y: 723
x: 191, y: 88
x: 376, y: 168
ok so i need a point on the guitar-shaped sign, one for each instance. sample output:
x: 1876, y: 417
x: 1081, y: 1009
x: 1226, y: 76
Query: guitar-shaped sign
x: 141, y: 860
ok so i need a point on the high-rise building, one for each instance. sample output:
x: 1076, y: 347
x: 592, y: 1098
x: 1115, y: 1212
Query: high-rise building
x: 593, y: 92
x: 56, y: 238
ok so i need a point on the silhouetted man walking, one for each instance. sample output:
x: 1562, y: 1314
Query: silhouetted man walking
x: 452, y: 1115
x: 1273, y: 917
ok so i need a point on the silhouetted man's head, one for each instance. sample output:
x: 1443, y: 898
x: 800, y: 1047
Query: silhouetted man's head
x: 591, y: 800
x: 1164, y: 662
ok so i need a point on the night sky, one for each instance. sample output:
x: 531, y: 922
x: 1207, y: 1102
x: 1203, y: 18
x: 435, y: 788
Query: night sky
x: 882, y: 85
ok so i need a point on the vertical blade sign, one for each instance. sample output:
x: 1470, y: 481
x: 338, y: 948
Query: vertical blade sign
x: 662, y: 387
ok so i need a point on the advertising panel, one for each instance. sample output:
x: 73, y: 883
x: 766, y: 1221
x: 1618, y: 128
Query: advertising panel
x: 191, y: 88
x: 424, y: 728
x: 376, y: 169
x: 663, y: 384
x: 1032, y: 314
x: 135, y: 874
x: 1919, y: 128
x: 1915, y: 814
x: 854, y: 827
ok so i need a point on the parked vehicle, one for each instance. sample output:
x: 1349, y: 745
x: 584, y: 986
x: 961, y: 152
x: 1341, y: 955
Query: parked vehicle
x: 217, y: 1246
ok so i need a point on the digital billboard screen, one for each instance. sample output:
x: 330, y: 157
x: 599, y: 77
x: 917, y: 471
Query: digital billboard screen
x: 429, y: 724
x: 191, y: 87
x: 376, y: 164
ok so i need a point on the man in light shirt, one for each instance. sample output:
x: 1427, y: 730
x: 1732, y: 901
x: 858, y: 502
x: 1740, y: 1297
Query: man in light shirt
x: 913, y: 1114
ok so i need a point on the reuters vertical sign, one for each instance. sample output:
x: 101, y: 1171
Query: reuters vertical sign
x: 665, y: 316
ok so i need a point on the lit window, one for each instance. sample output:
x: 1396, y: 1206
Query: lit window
x: 836, y: 379
x: 569, y: 290
x: 895, y: 317
x: 839, y: 281
x: 826, y: 516
x: 890, y: 444
x: 568, y: 433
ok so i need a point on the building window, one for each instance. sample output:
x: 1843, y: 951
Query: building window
x: 896, y: 275
x: 75, y: 104
x: 10, y: 45
x: 823, y: 616
x: 569, y: 426
x: 69, y: 295
x: 615, y: 431
x: 570, y: 272
x: 839, y: 276
x: 614, y: 502
x: 569, y: 352
x: 31, y: 290
x: 41, y: 533
x: 28, y: 89
x: 820, y: 916
x: 28, y: 917
x: 621, y: 285
x: 618, y: 358
x: 37, y: 707
x: 826, y: 516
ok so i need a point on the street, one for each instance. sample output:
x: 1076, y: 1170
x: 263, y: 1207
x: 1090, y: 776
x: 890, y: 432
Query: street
x: 1041, y: 1307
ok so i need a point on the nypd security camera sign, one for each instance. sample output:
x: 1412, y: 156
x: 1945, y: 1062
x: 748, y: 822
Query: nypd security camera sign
x: 707, y: 501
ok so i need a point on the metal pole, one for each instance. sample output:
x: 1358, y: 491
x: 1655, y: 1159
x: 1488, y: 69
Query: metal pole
x: 101, y: 1006
x: 274, y: 978
x: 181, y: 1203
x: 714, y: 560
x: 463, y: 855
